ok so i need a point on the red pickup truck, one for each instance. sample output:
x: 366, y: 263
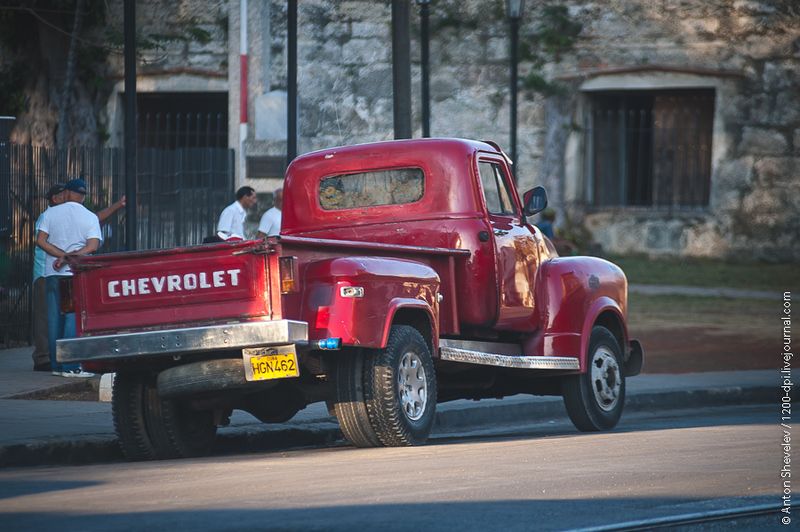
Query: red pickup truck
x: 406, y: 274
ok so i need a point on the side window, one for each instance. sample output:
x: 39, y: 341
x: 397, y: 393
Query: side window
x: 505, y: 195
x: 498, y: 199
x: 489, y: 181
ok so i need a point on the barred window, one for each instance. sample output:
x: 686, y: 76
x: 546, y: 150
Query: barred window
x: 370, y: 189
x: 650, y: 148
x: 173, y: 120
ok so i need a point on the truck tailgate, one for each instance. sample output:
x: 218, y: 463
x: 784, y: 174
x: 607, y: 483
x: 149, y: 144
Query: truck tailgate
x: 151, y: 289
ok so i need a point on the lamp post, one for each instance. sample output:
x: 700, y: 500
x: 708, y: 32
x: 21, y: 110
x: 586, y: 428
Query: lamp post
x: 401, y: 69
x: 514, y: 12
x: 424, y: 15
x: 131, y: 224
x: 291, y: 82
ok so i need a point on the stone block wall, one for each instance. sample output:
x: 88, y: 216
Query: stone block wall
x: 749, y: 51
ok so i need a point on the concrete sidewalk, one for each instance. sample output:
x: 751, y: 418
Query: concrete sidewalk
x: 37, y: 432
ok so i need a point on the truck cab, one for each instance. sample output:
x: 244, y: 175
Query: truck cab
x: 406, y: 273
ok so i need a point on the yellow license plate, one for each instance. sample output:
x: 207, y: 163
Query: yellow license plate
x: 266, y: 363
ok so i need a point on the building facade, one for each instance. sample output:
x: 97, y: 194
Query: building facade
x: 666, y: 127
x: 675, y: 128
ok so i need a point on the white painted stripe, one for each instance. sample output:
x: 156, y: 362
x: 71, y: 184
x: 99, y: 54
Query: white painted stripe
x: 243, y: 27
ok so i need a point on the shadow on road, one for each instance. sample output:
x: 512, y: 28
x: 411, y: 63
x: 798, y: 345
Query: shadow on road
x: 505, y: 515
x: 19, y: 488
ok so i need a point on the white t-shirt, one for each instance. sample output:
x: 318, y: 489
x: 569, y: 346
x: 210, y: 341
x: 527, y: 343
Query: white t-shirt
x: 231, y: 221
x: 270, y: 223
x: 68, y: 226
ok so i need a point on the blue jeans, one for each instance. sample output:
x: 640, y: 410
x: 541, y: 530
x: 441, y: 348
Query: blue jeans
x: 58, y: 325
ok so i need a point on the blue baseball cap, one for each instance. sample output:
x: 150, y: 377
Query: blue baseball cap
x: 76, y: 185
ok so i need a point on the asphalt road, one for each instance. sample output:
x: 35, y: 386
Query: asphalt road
x: 544, y: 477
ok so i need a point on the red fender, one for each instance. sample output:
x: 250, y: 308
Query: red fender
x: 399, y: 303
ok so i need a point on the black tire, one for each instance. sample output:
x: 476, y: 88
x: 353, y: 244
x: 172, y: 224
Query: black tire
x: 127, y: 409
x: 152, y: 428
x: 348, y: 405
x: 204, y: 376
x: 595, y: 399
x: 400, y: 389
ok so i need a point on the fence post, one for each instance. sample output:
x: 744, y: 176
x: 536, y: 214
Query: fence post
x: 6, y: 123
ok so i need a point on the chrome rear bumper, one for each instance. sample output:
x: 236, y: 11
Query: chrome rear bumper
x: 191, y: 339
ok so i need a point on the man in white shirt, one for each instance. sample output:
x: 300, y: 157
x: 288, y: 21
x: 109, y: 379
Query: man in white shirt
x: 56, y: 195
x: 270, y: 224
x: 65, y: 230
x: 231, y: 221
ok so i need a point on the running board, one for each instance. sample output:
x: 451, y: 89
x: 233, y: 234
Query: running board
x: 450, y: 350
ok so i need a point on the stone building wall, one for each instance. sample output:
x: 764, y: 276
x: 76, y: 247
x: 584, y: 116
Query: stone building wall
x: 178, y: 61
x: 747, y: 51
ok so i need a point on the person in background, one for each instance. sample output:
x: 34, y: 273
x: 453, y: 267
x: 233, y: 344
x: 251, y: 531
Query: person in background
x: 41, y: 351
x: 56, y: 195
x: 65, y: 230
x: 545, y: 225
x: 231, y: 220
x: 270, y: 224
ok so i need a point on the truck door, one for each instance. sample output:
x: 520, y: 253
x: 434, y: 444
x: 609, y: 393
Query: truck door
x: 516, y: 249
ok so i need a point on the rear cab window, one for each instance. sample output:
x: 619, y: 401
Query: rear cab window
x: 396, y: 186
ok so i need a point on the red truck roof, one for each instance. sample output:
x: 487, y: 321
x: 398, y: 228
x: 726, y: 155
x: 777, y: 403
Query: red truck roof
x: 445, y: 163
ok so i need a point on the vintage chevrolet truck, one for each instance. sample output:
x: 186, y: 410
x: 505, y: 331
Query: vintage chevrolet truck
x: 406, y: 273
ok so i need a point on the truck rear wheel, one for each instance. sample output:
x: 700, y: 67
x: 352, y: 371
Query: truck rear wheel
x: 349, y: 406
x: 152, y: 428
x: 400, y: 389
x: 595, y: 399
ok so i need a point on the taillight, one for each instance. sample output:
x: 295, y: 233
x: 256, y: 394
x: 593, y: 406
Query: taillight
x: 289, y: 275
x: 65, y: 291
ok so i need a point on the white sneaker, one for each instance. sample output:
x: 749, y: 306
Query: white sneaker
x: 55, y: 373
x: 76, y: 373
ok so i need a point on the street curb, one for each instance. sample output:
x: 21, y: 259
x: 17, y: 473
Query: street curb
x: 105, y: 449
x: 101, y: 449
x: 73, y: 386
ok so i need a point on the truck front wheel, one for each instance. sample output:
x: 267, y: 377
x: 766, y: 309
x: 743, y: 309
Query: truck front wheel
x: 595, y: 399
x: 152, y: 428
x: 400, y: 389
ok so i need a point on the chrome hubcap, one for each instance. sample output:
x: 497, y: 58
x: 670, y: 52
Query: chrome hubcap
x: 412, y: 386
x: 606, y: 378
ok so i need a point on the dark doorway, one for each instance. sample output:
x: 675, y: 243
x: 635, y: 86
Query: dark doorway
x: 170, y: 120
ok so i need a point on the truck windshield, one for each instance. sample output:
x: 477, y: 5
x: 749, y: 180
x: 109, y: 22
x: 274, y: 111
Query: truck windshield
x: 369, y: 189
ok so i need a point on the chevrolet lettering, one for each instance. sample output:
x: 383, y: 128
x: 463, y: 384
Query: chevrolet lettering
x: 406, y: 274
x: 173, y: 283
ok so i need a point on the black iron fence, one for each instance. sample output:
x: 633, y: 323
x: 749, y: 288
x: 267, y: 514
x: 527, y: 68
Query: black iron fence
x: 180, y: 195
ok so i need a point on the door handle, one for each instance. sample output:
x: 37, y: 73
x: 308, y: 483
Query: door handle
x: 500, y: 232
